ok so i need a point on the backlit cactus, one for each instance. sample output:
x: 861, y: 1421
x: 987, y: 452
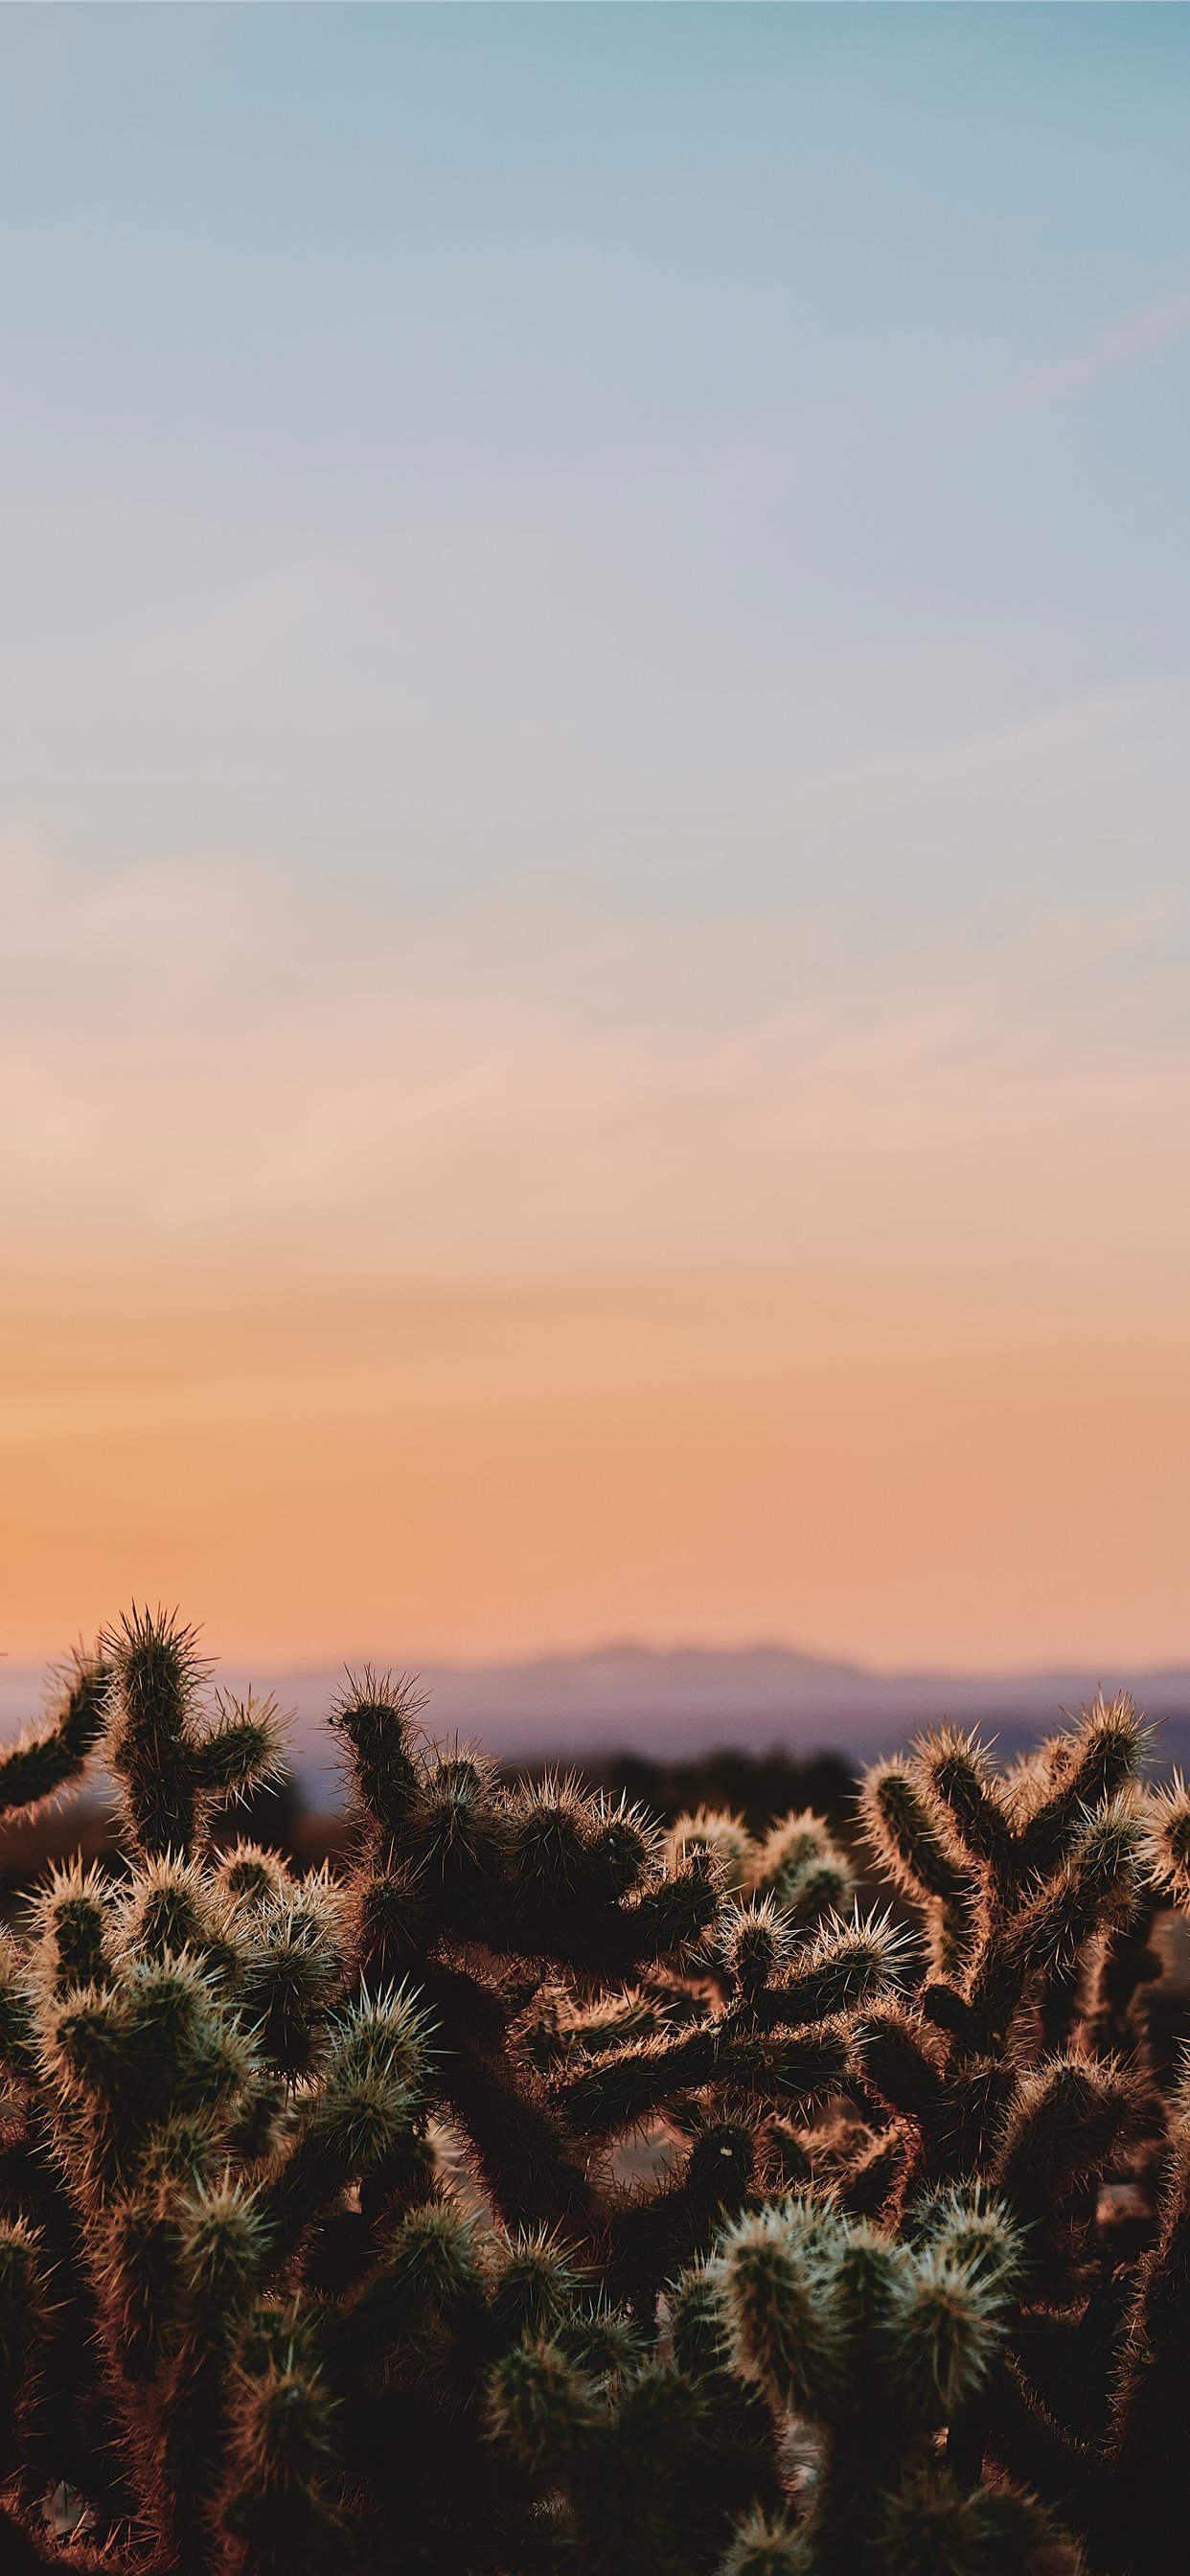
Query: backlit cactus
x: 537, y: 2192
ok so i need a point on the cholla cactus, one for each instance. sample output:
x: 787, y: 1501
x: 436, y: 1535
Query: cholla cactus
x: 539, y: 2193
x: 797, y: 1863
x: 54, y: 1755
x: 879, y: 2346
x: 317, y: 2217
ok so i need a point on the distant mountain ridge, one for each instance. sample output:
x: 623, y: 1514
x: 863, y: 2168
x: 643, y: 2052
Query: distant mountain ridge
x: 683, y: 1701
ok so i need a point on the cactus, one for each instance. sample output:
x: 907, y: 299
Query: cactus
x: 538, y: 2192
x: 878, y: 2345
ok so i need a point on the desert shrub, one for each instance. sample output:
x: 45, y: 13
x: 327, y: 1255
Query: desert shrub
x: 540, y: 2190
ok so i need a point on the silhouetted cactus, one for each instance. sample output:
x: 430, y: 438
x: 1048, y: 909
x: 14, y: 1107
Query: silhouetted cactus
x: 542, y: 2193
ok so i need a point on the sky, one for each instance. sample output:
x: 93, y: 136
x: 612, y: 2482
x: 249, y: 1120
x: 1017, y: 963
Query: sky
x: 594, y: 748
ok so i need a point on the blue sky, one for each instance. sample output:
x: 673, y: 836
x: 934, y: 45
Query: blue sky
x: 594, y: 671
x: 553, y: 434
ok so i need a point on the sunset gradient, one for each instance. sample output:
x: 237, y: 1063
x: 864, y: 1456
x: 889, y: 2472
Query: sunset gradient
x: 595, y: 691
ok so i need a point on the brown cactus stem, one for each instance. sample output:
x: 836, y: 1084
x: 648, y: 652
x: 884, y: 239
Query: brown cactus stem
x: 1153, y: 2393
x: 525, y: 2155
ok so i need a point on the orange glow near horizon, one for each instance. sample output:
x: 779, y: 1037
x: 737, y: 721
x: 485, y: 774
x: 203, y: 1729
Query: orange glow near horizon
x: 440, y: 1323
x: 444, y: 1321
x: 320, y: 1475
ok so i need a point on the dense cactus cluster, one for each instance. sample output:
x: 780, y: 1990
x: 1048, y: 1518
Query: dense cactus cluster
x: 539, y: 2192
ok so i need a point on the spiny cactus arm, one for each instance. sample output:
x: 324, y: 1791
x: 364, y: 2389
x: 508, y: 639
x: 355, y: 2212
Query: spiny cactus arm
x: 364, y: 2113
x: 538, y: 2286
x: 425, y: 2293
x: 454, y: 1838
x: 222, y: 2251
x: 774, y: 2278
x: 551, y: 1877
x: 1108, y: 1858
x: 134, y: 2262
x: 570, y: 1862
x: 391, y: 1924
x: 662, y: 2491
x: 84, y: 2048
x: 281, y: 2505
x: 555, y: 1866
x: 753, y: 1946
x: 25, y: 2325
x: 242, y: 1750
x: 605, y: 2342
x: 1096, y: 1761
x: 69, y: 1931
x: 899, y: 2060
x: 250, y: 1875
x: 822, y: 1888
x: 157, y: 1675
x: 292, y: 1966
x: 714, y: 2436
x: 578, y: 2031
x: 125, y: 2065
x: 902, y: 1829
x: 1122, y: 1962
x: 170, y: 1907
x: 698, y: 2328
x: 955, y: 1931
x: 1030, y: 2445
x: 768, y: 2546
x: 526, y: 2156
x: 1068, y: 2118
x: 225, y: 2249
x: 944, y: 2333
x: 666, y: 1921
x: 608, y: 1941
x: 802, y: 2066
x: 722, y: 1838
x: 168, y: 1764
x: 1168, y: 1822
x: 630, y: 2084
x: 63, y: 2435
x: 376, y: 1717
x: 848, y: 1965
x: 56, y: 1753
x: 952, y: 1768
x: 542, y: 2411
x: 927, y: 2524
x: 1097, y: 1888
x: 872, y: 2183
x: 1020, y: 1953
x: 19, y: 2044
x: 737, y: 2463
x: 972, y: 2226
x: 947, y: 2010
x: 961, y: 2139
x: 628, y: 1841
x: 789, y: 2153
x: 800, y: 1866
x: 1152, y: 2394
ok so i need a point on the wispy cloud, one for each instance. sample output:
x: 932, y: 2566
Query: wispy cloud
x: 1143, y: 332
x: 884, y: 783
x: 421, y: 1113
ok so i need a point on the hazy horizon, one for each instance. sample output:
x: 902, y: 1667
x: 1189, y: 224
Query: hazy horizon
x: 682, y: 1703
x: 594, y: 1013
x: 235, y: 1668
